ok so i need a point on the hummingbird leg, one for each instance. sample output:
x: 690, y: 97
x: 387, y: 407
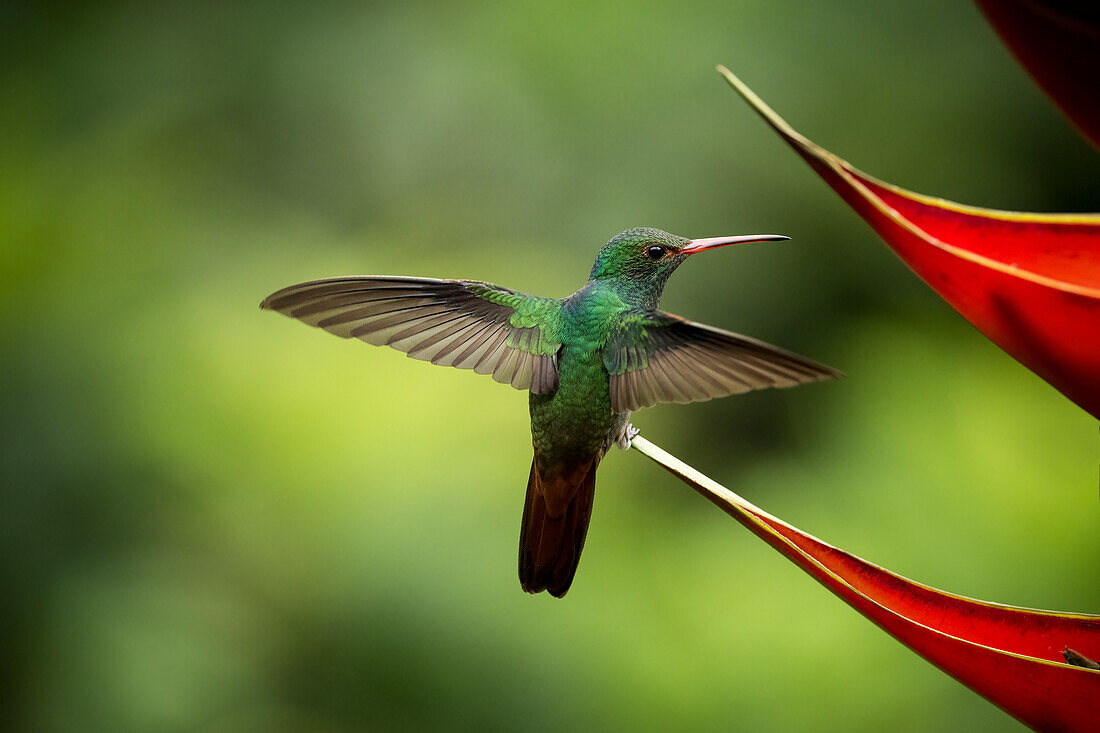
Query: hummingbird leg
x: 628, y: 435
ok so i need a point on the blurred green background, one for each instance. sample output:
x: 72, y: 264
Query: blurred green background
x: 215, y: 519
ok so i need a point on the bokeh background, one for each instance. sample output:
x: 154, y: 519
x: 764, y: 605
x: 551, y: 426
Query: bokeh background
x: 215, y: 519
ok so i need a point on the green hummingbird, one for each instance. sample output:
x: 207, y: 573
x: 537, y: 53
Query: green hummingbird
x: 588, y: 361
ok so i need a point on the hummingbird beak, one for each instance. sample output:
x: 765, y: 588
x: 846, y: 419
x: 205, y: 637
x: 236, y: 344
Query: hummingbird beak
x: 701, y: 245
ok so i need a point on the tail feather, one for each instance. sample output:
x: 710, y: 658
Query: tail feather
x: 555, y: 522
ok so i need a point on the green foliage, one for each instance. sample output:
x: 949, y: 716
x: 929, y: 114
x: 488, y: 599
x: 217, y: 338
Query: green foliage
x: 217, y: 520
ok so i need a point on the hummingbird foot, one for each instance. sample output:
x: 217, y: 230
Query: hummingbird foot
x: 628, y: 435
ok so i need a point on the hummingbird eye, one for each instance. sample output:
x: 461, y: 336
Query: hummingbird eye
x: 655, y: 252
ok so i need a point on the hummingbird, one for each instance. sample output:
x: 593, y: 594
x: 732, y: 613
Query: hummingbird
x: 588, y: 361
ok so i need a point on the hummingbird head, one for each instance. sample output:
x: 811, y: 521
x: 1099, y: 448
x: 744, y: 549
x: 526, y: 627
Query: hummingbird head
x: 640, y: 260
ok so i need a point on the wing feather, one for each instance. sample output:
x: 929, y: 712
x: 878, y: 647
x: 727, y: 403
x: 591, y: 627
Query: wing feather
x: 435, y: 345
x: 670, y: 387
x: 475, y: 347
x: 524, y: 369
x: 494, y: 352
x: 658, y: 357
x: 462, y: 323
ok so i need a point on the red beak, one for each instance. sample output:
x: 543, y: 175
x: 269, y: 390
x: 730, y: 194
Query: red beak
x: 701, y: 245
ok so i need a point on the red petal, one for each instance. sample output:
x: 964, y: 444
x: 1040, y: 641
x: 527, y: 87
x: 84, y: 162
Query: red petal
x: 1030, y: 282
x: 1011, y: 656
x: 1060, y: 48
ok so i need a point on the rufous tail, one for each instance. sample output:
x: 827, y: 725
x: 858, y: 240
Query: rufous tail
x: 555, y: 522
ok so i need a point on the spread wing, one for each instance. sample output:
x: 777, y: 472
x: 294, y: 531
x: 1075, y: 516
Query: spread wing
x: 658, y: 357
x: 460, y: 323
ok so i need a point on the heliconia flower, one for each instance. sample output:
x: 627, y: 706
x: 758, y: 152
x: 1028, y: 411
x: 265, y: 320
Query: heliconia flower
x: 1011, y: 656
x: 1030, y: 282
x: 1059, y: 45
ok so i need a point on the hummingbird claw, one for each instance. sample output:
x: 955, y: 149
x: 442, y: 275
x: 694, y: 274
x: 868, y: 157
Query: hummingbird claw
x: 628, y: 435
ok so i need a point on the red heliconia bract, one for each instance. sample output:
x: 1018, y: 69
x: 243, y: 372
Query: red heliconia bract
x: 1030, y: 282
x: 1059, y: 45
x: 1011, y: 656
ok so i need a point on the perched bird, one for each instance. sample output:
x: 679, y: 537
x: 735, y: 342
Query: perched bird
x: 588, y: 360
